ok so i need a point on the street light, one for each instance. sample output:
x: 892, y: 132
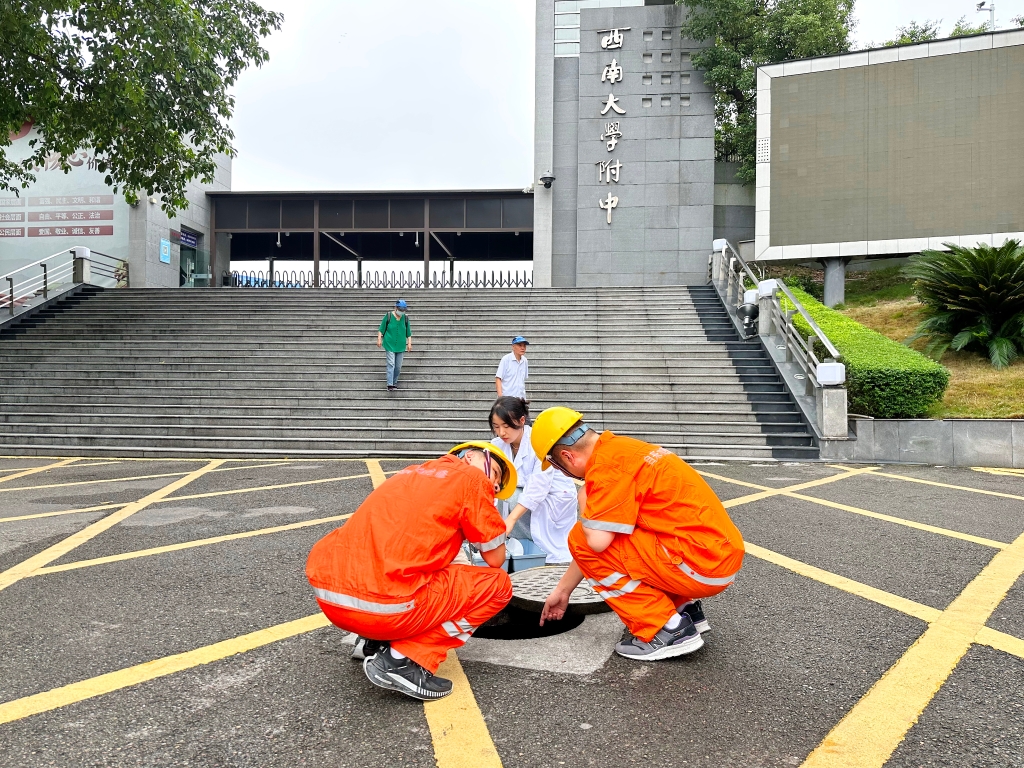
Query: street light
x: 990, y: 8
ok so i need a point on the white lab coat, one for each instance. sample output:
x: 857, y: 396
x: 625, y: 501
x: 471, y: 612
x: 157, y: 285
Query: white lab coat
x: 550, y: 496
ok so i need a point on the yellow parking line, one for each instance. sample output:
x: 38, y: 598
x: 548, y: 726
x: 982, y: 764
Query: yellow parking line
x: 150, y: 670
x: 377, y: 475
x: 457, y: 727
x: 870, y: 732
x: 257, y: 488
x: 34, y: 470
x: 128, y: 479
x: 61, y: 548
x: 1000, y: 471
x: 187, y: 545
x: 947, y: 485
x: 33, y: 516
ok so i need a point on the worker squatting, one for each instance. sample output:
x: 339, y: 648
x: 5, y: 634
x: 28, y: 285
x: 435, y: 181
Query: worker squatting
x: 652, y: 539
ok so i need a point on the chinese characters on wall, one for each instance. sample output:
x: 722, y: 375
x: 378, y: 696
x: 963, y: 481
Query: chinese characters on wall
x: 54, y: 222
x: 608, y: 170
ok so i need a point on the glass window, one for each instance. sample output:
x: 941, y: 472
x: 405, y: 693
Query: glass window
x: 567, y: 49
x: 567, y: 19
x: 230, y: 213
x: 406, y: 214
x: 517, y: 213
x: 371, y: 214
x: 336, y: 214
x: 264, y: 214
x: 446, y: 212
x: 483, y: 214
x: 297, y: 214
x: 568, y: 35
x: 566, y: 6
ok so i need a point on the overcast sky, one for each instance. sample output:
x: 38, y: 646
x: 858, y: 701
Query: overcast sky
x: 426, y: 94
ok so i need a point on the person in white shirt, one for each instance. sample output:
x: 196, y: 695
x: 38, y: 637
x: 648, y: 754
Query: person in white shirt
x: 542, y: 510
x: 513, y: 371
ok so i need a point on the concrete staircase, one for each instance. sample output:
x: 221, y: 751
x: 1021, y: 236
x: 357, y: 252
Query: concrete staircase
x: 267, y: 373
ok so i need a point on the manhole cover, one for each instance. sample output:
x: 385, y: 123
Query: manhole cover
x: 530, y: 588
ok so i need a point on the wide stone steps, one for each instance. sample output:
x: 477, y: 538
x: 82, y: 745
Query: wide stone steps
x: 225, y: 372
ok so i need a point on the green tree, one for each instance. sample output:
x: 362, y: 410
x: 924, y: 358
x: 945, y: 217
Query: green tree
x: 962, y: 28
x: 914, y: 33
x: 144, y: 84
x: 1018, y: 21
x: 746, y: 34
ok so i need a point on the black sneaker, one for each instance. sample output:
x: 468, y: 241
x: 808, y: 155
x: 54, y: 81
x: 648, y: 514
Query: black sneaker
x: 364, y: 648
x: 405, y: 676
x: 694, y: 610
x: 667, y: 643
x: 391, y: 388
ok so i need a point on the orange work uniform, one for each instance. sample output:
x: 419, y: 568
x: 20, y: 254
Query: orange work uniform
x: 387, y: 574
x: 676, y: 540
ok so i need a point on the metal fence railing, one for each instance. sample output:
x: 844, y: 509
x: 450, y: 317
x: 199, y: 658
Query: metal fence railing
x: 74, y: 265
x: 364, y: 279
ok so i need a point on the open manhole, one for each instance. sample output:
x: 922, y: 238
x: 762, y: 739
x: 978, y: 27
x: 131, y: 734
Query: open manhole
x: 520, y: 620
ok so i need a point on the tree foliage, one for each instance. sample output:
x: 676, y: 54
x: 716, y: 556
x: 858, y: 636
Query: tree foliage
x: 144, y: 84
x: 915, y: 33
x: 974, y: 299
x: 746, y: 34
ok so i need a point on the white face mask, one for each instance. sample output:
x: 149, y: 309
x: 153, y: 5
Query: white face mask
x: 399, y: 312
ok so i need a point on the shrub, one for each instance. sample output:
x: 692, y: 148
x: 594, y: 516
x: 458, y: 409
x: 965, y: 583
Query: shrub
x: 884, y: 379
x: 974, y: 300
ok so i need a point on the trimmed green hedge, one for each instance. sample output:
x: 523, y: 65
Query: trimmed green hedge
x: 884, y: 379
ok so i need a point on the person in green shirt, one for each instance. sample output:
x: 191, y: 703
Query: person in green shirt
x: 395, y: 336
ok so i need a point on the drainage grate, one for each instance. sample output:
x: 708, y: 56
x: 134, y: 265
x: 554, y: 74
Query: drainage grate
x: 530, y: 588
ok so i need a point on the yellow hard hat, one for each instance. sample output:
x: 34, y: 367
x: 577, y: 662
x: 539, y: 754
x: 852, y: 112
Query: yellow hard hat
x: 549, y: 428
x: 508, y: 471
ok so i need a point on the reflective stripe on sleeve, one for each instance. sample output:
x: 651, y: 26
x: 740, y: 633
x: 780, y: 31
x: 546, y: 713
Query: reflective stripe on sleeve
x: 609, y: 594
x: 609, y: 580
x: 494, y: 543
x: 601, y: 525
x: 699, y: 578
x: 347, y: 601
x: 454, y: 631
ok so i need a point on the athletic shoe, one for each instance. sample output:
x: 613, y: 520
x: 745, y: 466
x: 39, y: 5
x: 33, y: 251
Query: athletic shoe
x: 667, y: 643
x: 694, y: 610
x: 391, y: 388
x: 405, y: 676
x: 364, y: 648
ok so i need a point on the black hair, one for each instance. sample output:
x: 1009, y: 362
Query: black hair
x: 510, y: 410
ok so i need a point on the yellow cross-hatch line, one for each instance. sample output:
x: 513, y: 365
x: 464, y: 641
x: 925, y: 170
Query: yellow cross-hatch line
x: 61, y: 548
x: 34, y: 470
x: 936, y: 483
x: 150, y: 670
x: 870, y: 732
x: 188, y: 545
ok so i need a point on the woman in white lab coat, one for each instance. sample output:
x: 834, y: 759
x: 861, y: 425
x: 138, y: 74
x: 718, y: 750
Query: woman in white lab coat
x: 543, y: 508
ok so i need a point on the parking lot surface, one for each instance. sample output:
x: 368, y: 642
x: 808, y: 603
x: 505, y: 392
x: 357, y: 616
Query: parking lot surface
x: 156, y: 613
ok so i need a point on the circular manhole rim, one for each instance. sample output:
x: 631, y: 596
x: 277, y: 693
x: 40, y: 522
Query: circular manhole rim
x: 531, y: 587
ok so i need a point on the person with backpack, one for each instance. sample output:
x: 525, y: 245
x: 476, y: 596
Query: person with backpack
x: 395, y: 336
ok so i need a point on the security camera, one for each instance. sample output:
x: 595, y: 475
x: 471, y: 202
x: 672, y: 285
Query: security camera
x: 546, y: 178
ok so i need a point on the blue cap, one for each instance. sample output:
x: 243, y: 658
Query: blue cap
x: 401, y: 304
x: 520, y: 340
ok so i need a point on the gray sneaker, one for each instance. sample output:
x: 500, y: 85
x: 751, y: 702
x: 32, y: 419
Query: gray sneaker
x: 667, y: 643
x: 405, y: 676
x: 694, y: 610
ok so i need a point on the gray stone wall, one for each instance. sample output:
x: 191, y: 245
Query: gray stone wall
x: 544, y: 64
x: 662, y: 227
x: 148, y: 225
x: 564, y: 167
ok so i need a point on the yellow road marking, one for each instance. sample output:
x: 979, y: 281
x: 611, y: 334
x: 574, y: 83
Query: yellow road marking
x: 33, y: 516
x: 1000, y: 471
x: 870, y: 732
x: 903, y: 521
x: 187, y: 545
x: 61, y: 548
x: 150, y: 670
x: 1001, y: 641
x: 34, y: 470
x: 947, y: 485
x: 457, y: 727
x: 377, y: 475
x: 127, y: 479
x: 255, y: 489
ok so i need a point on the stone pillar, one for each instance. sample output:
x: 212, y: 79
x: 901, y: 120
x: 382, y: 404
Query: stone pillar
x: 835, y: 281
x: 81, y: 269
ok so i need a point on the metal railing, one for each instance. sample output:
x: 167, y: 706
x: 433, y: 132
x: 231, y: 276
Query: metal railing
x: 73, y: 265
x: 363, y: 279
x: 774, y: 309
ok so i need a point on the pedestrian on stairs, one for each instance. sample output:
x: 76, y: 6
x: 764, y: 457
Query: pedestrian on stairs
x: 513, y: 371
x: 653, y: 538
x: 388, y: 575
x: 395, y: 336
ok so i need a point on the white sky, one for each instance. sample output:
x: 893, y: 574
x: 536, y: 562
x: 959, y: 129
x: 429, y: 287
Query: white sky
x: 427, y: 94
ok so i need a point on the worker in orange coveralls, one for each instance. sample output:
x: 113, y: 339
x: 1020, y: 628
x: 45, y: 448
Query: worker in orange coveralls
x: 653, y: 538
x: 388, y: 576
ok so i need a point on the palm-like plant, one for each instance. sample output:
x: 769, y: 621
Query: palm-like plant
x: 974, y: 299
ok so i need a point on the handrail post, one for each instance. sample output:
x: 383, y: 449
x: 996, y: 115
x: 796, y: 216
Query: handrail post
x: 44, y: 280
x: 789, y: 332
x: 10, y: 282
x: 82, y: 269
x: 764, y: 311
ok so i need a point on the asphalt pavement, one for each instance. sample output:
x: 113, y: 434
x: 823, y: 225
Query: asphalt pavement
x: 156, y: 613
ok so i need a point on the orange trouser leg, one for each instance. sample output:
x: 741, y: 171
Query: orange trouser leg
x: 448, y: 609
x: 642, y: 587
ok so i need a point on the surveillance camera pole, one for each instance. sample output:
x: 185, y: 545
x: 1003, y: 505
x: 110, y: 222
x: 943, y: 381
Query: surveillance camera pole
x: 984, y: 6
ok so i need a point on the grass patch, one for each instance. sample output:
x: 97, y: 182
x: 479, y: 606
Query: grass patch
x: 866, y: 289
